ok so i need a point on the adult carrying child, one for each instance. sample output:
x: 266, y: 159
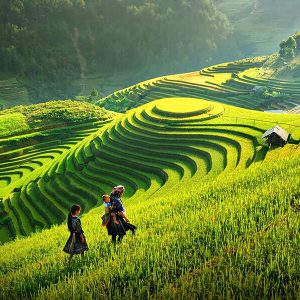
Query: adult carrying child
x: 115, y: 218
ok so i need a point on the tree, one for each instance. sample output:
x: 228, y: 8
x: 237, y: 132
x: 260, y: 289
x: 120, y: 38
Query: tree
x: 93, y: 95
x: 37, y: 40
x: 297, y: 39
x: 287, y: 48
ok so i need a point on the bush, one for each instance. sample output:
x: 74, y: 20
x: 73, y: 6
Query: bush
x: 287, y: 48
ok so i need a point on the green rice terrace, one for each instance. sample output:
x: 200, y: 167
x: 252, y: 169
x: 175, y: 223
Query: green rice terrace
x: 32, y: 139
x: 246, y: 83
x: 216, y: 208
x: 12, y: 92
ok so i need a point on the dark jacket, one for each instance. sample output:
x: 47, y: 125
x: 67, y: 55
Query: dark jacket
x: 117, y: 203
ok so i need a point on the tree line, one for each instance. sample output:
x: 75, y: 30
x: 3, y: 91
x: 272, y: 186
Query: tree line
x: 291, y: 47
x: 45, y: 41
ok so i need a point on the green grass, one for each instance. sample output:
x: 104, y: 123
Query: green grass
x: 11, y: 123
x: 232, y: 237
x: 215, y: 84
x: 165, y: 141
x: 213, y: 204
x: 50, y: 115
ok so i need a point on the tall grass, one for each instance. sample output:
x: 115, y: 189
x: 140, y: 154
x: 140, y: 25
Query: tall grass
x: 234, y: 237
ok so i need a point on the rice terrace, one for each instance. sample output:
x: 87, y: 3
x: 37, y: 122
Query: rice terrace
x: 207, y: 163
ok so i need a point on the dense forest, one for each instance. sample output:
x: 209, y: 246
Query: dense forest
x: 49, y: 43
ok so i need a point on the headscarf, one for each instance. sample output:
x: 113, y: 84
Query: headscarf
x: 118, y: 189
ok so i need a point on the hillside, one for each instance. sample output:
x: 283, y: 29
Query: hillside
x: 216, y: 208
x: 194, y: 228
x: 258, y: 25
x: 34, y: 137
x: 53, y: 114
x: 232, y: 83
x: 194, y: 138
x: 51, y: 45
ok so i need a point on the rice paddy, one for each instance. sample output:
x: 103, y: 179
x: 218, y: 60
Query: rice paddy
x: 216, y: 208
x: 230, y: 83
x: 12, y: 92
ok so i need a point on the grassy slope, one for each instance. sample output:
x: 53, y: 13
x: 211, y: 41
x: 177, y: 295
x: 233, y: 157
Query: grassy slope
x: 220, y: 249
x: 36, y: 137
x: 50, y: 114
x: 231, y: 83
x: 12, y: 92
x: 259, y: 25
x: 233, y: 237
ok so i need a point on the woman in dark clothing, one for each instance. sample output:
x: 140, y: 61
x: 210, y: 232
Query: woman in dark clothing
x: 120, y: 227
x: 76, y: 243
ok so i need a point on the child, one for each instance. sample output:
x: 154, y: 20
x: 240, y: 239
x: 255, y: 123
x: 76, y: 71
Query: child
x: 109, y: 210
x: 108, y: 207
x: 76, y: 243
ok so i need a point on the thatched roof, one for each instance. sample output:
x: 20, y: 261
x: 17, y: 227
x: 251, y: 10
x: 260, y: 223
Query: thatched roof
x: 279, y: 131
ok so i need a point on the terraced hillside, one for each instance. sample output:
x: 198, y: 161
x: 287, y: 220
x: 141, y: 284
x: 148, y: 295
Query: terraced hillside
x: 231, y: 83
x: 259, y: 25
x: 231, y: 237
x: 295, y: 110
x: 12, y: 93
x: 32, y: 140
x: 150, y: 150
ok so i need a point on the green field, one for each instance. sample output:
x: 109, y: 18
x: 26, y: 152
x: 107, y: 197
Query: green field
x: 12, y: 92
x: 34, y: 139
x: 231, y: 83
x: 216, y: 208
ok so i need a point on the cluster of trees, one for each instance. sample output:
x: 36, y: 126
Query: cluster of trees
x: 49, y: 43
x: 290, y: 47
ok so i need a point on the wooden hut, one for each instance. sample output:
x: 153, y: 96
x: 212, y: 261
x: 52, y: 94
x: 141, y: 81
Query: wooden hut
x: 276, y: 136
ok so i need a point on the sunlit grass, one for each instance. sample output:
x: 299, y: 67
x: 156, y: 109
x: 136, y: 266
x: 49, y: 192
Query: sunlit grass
x: 229, y: 226
x: 216, y: 209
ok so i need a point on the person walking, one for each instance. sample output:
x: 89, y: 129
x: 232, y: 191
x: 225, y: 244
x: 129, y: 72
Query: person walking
x: 76, y: 243
x: 117, y: 229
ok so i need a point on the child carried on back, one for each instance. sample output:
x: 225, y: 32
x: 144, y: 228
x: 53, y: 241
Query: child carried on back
x: 110, y: 211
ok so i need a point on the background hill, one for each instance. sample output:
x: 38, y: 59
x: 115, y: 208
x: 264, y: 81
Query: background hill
x: 261, y: 83
x: 61, y: 49
x: 50, y: 44
x: 258, y: 25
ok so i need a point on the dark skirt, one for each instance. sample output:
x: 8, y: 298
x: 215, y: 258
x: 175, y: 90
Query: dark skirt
x: 74, y: 245
x: 130, y: 227
x: 119, y: 229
